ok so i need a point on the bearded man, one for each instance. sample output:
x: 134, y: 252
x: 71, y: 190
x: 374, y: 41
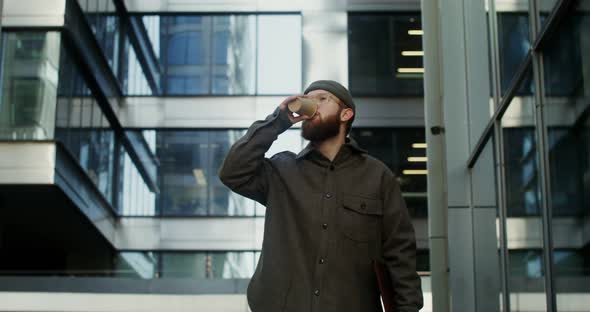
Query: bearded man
x: 331, y: 212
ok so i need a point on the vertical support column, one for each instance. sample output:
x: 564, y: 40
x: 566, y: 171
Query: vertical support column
x: 452, y: 55
x: 462, y: 221
x: 435, y: 152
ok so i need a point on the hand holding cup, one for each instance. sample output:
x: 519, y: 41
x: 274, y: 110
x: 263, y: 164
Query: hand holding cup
x: 302, y: 105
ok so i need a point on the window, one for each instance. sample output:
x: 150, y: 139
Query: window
x: 402, y: 150
x: 229, y: 54
x: 385, y: 54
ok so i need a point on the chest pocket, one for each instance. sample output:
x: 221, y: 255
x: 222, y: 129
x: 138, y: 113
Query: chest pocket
x: 359, y: 217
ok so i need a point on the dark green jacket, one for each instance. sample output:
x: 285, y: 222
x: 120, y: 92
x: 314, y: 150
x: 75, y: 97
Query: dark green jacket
x: 325, y: 221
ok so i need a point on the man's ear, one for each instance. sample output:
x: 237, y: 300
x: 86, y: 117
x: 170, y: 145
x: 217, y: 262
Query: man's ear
x: 346, y: 114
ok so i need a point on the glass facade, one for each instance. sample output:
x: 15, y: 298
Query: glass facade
x: 187, y: 264
x: 514, y: 43
x: 543, y: 206
x: 53, y: 91
x: 30, y: 65
x: 134, y: 198
x: 189, y: 162
x: 190, y: 159
x: 403, y: 151
x: 106, y: 27
x: 523, y: 201
x: 385, y: 54
x: 566, y: 63
x: 83, y: 128
x: 226, y: 54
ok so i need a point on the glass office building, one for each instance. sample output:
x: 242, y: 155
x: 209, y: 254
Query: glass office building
x: 115, y: 117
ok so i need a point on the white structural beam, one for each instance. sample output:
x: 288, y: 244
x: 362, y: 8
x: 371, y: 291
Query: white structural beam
x: 33, y: 13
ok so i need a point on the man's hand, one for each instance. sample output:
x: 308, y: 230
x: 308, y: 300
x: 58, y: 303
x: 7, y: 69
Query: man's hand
x: 284, y: 107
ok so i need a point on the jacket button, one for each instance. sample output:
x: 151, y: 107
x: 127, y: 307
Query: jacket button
x: 332, y: 168
x: 363, y: 206
x: 325, y: 226
x: 316, y: 292
x: 322, y: 261
x: 328, y: 195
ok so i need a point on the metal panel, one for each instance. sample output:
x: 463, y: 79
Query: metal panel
x: 27, y: 162
x: 388, y: 112
x: 477, y: 69
x: 461, y: 259
x: 33, y: 13
x: 483, y: 179
x: 487, y: 260
x: 455, y: 99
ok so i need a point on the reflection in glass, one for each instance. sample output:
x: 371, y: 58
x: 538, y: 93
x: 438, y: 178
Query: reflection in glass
x: 227, y: 54
x: 104, y: 22
x: 401, y: 150
x: 208, y: 265
x: 190, y: 161
x: 526, y: 263
x: 29, y: 85
x: 232, y: 264
x: 523, y: 197
x: 83, y: 128
x: 385, y: 54
x: 133, y: 79
x: 184, y: 171
x: 567, y: 103
x: 545, y: 8
x: 523, y: 203
x: 134, y: 197
x: 185, y: 265
x: 136, y: 264
x: 514, y: 44
x: 209, y: 54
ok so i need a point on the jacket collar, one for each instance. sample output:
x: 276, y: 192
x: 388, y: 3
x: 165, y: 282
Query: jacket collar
x: 349, y: 143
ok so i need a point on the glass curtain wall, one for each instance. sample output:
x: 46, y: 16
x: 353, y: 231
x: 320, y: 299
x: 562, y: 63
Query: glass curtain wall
x: 83, y: 128
x: 541, y: 67
x: 186, y: 264
x: 566, y: 99
x: 226, y: 54
x: 29, y: 77
x: 385, y: 54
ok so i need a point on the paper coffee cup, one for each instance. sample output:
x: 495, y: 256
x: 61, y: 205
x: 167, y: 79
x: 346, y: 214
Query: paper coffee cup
x: 303, y: 106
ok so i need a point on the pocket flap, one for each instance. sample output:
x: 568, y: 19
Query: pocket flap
x: 363, y: 205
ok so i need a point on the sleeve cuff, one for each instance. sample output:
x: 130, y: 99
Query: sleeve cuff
x: 282, y: 118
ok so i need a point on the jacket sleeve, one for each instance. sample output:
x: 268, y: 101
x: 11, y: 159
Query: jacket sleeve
x: 399, y: 249
x: 245, y: 170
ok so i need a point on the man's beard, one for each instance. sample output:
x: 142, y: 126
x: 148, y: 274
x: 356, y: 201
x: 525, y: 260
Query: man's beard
x: 319, y: 129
